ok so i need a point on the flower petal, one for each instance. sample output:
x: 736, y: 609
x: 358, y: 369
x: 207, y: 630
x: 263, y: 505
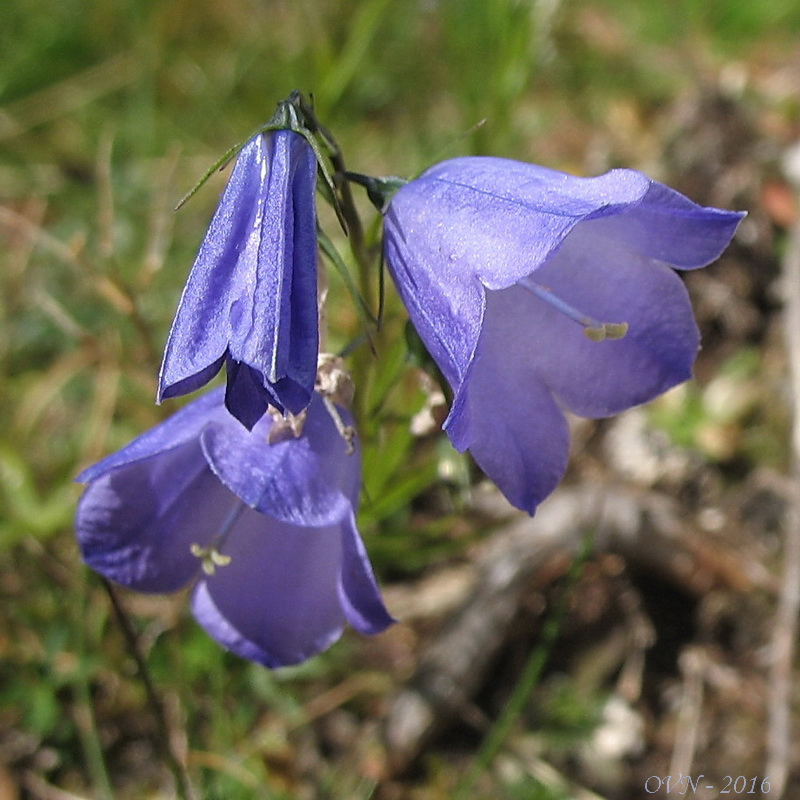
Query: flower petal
x: 486, y: 212
x: 277, y: 601
x: 478, y: 221
x: 252, y: 292
x: 508, y: 419
x: 610, y: 283
x: 668, y: 227
x: 292, y: 366
x: 463, y: 240
x: 245, y: 397
x: 310, y: 480
x: 493, y: 222
x: 182, y: 427
x: 136, y: 523
x: 220, y: 278
x: 444, y: 300
x: 358, y: 591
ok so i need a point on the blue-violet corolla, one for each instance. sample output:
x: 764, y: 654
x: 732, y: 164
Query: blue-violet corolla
x: 261, y: 522
x: 251, y: 298
x: 536, y: 291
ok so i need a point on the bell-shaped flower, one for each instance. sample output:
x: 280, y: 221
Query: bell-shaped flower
x: 536, y: 292
x: 261, y: 522
x: 251, y: 298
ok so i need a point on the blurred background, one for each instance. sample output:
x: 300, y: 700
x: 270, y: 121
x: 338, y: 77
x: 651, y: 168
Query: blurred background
x: 661, y: 655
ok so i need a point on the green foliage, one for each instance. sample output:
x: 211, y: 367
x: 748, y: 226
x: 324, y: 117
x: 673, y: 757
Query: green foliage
x: 565, y: 716
x: 532, y: 789
x: 728, y: 26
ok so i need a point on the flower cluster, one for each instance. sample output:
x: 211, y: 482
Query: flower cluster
x: 535, y: 292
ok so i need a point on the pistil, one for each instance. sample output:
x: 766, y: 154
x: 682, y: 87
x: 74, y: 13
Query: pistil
x: 594, y: 329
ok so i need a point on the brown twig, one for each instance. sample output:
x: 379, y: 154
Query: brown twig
x: 40, y: 789
x: 779, y: 735
x: 690, y: 711
x: 645, y: 528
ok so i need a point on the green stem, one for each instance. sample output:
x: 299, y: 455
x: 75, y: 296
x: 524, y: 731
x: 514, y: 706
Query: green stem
x: 355, y: 228
x: 527, y: 682
x: 347, y: 207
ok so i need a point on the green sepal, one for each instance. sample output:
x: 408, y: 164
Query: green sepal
x: 218, y: 165
x: 380, y: 191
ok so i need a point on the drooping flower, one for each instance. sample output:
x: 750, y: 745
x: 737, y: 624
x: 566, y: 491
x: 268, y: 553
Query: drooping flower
x: 251, y: 298
x: 536, y: 291
x: 261, y: 521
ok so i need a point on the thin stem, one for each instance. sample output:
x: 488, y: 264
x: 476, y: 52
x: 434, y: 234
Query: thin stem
x: 528, y: 681
x: 183, y: 785
x: 347, y: 206
x: 84, y: 712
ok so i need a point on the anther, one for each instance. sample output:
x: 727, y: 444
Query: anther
x: 607, y: 330
x: 210, y: 558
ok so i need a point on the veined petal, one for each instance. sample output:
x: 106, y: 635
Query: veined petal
x: 277, y: 601
x: 245, y: 395
x: 497, y: 220
x: 251, y: 296
x: 156, y: 516
x: 465, y: 244
x: 668, y: 227
x: 481, y: 222
x: 282, y: 339
x: 309, y: 480
x: 220, y: 280
x: 442, y: 295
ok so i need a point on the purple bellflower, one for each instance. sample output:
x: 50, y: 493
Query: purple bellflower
x: 251, y: 298
x: 536, y: 291
x: 262, y: 522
